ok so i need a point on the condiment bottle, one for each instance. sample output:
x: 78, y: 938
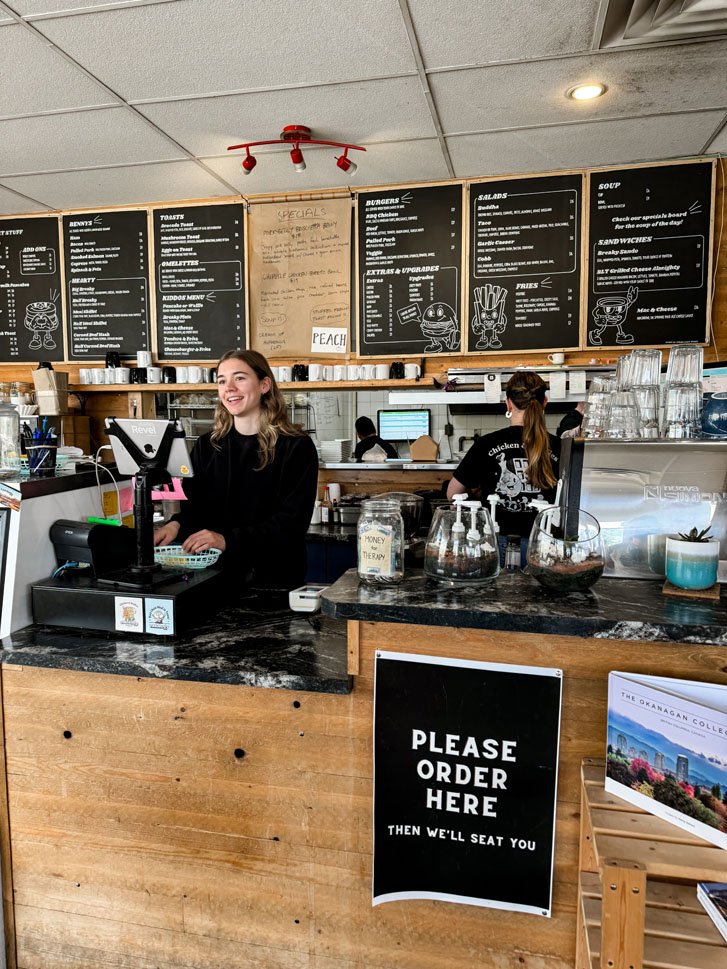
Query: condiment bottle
x: 327, y: 509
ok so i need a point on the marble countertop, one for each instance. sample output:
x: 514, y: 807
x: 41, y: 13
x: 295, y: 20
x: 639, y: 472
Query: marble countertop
x: 257, y: 642
x: 622, y: 609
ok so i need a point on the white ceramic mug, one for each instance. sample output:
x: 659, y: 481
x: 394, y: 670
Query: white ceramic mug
x: 143, y: 358
x: 286, y: 374
x: 98, y: 375
x: 122, y: 375
x: 367, y: 371
x: 275, y: 371
x: 556, y: 358
x: 182, y: 375
x: 153, y: 375
x: 315, y: 372
x: 195, y: 375
x: 412, y: 371
x: 382, y: 371
x: 353, y: 371
x: 85, y: 375
x: 328, y: 373
x: 339, y: 372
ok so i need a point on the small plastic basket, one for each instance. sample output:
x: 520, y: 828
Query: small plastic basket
x: 173, y: 556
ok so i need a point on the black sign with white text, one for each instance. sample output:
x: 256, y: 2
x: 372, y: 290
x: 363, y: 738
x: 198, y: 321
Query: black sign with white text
x: 649, y: 249
x: 199, y: 279
x: 107, y: 279
x: 465, y: 778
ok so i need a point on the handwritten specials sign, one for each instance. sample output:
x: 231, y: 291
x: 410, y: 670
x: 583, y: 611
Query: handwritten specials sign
x: 465, y: 777
x: 300, y: 258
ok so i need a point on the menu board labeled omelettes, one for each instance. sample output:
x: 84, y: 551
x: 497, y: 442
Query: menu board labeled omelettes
x: 30, y: 290
x: 525, y: 238
x: 410, y: 255
x: 107, y: 258
x: 649, y: 255
x: 200, y: 299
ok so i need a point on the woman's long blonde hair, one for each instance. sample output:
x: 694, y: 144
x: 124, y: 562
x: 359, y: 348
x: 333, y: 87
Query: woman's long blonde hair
x: 527, y: 392
x: 273, y: 410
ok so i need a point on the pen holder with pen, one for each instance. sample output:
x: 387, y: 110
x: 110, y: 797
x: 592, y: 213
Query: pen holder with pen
x: 42, y: 457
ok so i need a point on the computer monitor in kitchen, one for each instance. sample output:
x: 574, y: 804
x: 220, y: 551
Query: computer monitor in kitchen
x: 403, y: 425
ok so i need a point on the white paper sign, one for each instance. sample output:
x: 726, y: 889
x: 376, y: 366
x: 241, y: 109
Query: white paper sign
x: 557, y: 386
x: 577, y: 383
x: 329, y: 339
x: 129, y: 614
x: 493, y: 388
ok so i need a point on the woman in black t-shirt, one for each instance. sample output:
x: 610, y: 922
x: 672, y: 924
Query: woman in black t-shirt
x: 518, y: 463
x: 255, y: 480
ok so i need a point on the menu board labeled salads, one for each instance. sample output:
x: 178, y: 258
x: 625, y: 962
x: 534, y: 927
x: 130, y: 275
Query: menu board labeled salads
x: 649, y: 277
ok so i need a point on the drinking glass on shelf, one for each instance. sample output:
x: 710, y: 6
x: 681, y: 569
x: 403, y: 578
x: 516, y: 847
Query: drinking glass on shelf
x: 685, y: 365
x: 645, y: 368
x: 683, y: 416
x: 647, y: 409
x: 623, y: 420
x: 623, y: 372
x: 597, y: 405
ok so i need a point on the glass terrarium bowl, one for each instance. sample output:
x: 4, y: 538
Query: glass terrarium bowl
x: 462, y: 557
x: 565, y: 563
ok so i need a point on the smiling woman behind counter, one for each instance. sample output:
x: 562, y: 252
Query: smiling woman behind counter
x: 255, y: 480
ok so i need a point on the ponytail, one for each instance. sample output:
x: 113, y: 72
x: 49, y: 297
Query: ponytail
x: 527, y: 392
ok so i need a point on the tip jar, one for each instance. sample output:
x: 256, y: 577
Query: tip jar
x: 380, y: 542
x: 461, y: 546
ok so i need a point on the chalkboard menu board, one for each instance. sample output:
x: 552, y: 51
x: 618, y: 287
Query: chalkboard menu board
x: 649, y: 255
x: 524, y: 285
x: 30, y: 290
x: 200, y: 299
x: 106, y: 261
x: 410, y: 257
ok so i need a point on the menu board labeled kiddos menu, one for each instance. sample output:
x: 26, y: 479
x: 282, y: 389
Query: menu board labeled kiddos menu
x: 107, y: 277
x: 410, y: 254
x: 649, y: 255
x: 30, y: 290
x: 525, y: 272
x: 200, y: 299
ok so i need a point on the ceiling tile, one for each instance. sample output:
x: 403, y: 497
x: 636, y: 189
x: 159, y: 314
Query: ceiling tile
x: 35, y: 78
x: 358, y: 112
x: 110, y: 136
x: 581, y: 145
x: 720, y: 142
x: 640, y: 82
x: 135, y: 184
x: 477, y: 32
x: 381, y: 165
x: 191, y: 47
x: 35, y: 8
x: 12, y: 204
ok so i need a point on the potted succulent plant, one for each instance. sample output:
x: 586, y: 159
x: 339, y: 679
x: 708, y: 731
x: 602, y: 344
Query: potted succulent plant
x: 692, y: 559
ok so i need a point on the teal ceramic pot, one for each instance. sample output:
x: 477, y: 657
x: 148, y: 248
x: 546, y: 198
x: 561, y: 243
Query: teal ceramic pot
x: 691, y: 565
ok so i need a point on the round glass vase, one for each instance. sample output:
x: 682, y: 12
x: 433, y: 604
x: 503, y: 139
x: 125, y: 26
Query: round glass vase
x: 380, y: 542
x: 691, y: 565
x: 565, y: 562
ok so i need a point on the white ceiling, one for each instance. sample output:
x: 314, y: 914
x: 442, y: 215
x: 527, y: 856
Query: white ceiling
x: 136, y: 101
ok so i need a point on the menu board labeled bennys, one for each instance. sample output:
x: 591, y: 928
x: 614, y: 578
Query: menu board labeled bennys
x: 649, y: 278
x: 107, y: 283
x: 525, y: 267
x: 409, y: 271
x: 199, y: 280
x: 30, y: 290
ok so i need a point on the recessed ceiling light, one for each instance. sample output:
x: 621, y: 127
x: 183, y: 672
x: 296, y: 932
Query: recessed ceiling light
x: 584, y: 92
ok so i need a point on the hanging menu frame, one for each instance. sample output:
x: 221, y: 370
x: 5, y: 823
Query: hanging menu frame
x: 48, y: 313
x: 460, y: 266
x: 504, y: 305
x: 708, y: 269
x: 210, y: 203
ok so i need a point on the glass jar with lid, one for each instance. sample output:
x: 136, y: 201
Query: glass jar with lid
x: 380, y: 542
x: 9, y: 439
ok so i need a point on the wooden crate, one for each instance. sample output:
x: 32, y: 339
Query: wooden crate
x: 637, y: 898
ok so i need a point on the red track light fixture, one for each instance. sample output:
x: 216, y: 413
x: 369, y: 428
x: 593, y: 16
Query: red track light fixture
x: 298, y: 134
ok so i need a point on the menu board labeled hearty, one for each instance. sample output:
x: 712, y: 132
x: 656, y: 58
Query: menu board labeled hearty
x: 30, y: 290
x: 525, y: 275
x: 649, y: 255
x: 199, y: 279
x: 409, y: 272
x: 107, y: 280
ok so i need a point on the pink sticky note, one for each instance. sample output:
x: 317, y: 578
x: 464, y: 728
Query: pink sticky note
x: 126, y: 499
x: 165, y: 493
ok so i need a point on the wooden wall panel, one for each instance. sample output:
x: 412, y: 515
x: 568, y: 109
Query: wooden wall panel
x: 142, y: 840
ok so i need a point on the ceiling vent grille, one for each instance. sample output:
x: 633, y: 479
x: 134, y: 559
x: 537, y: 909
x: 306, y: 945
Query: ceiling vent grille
x: 626, y: 22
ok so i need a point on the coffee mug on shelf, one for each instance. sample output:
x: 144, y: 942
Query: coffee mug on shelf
x: 396, y: 371
x: 122, y: 375
x: 339, y: 372
x: 182, y: 375
x: 353, y: 371
x: 109, y: 375
x: 212, y: 374
x: 113, y: 359
x: 98, y: 376
x: 412, y: 371
x: 368, y: 371
x: 315, y: 372
x: 138, y: 375
x: 286, y: 374
x: 328, y: 373
x: 143, y: 358
x: 382, y: 371
x: 300, y: 371
x: 556, y: 358
x: 85, y: 375
x: 154, y: 375
x: 275, y: 371
x: 195, y: 375
x: 169, y: 375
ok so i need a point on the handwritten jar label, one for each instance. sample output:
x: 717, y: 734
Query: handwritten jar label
x: 375, y: 550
